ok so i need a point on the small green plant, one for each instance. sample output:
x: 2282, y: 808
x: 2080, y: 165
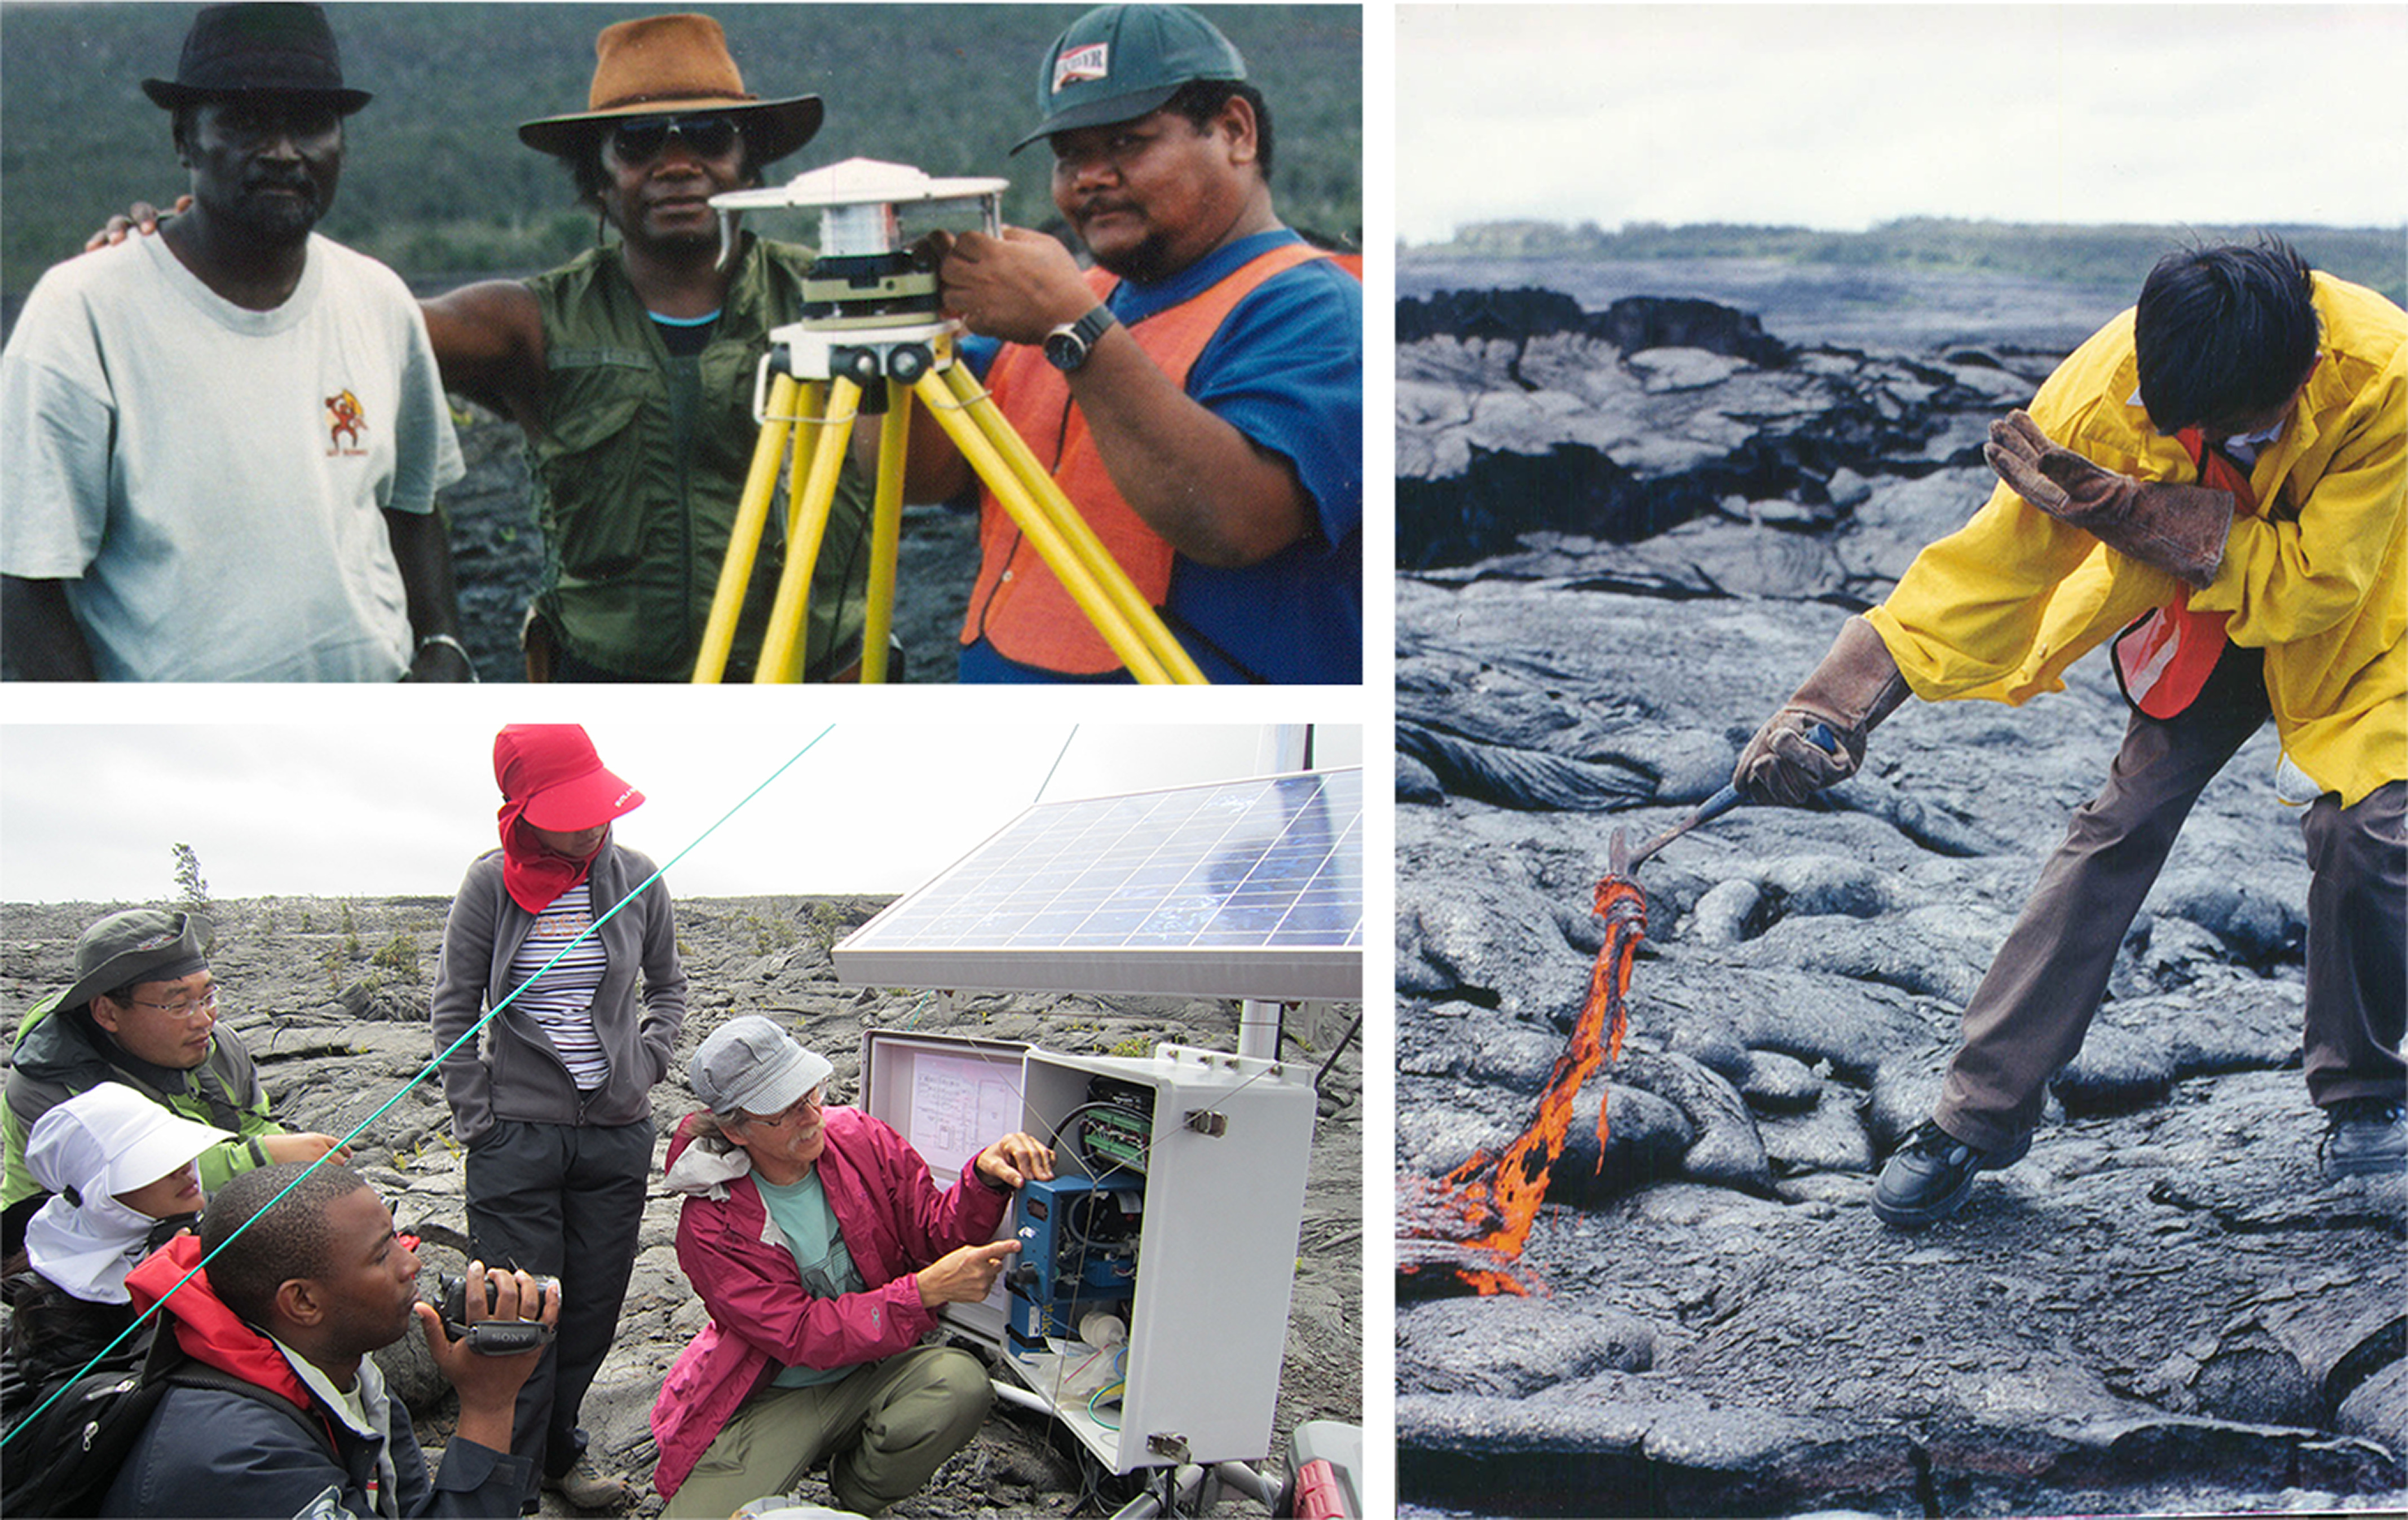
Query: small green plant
x: 191, y: 891
x: 770, y: 934
x: 399, y: 955
x: 333, y: 962
x: 1135, y: 1047
x: 351, y: 925
x: 827, y: 924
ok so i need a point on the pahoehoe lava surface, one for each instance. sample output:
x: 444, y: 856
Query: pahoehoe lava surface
x: 2165, y: 1308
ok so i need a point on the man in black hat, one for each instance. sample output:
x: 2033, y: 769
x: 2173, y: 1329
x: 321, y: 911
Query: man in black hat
x: 143, y: 1012
x: 1199, y: 397
x: 223, y: 444
x: 639, y: 467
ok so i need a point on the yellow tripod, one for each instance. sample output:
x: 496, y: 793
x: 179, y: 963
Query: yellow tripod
x: 870, y: 319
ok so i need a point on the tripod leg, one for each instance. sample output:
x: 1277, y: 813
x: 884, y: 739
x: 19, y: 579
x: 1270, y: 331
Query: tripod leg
x: 810, y: 408
x: 744, y: 538
x: 1127, y: 604
x: 886, y: 532
x: 782, y: 648
x: 1082, y: 579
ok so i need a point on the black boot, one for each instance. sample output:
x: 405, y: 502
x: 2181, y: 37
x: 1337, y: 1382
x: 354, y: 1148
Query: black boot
x: 1930, y: 1176
x: 2364, y: 1137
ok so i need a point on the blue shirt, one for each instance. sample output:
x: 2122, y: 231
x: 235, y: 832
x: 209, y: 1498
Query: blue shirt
x: 1286, y: 370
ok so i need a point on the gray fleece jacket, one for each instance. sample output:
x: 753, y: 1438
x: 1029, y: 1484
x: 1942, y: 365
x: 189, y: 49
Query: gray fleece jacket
x: 513, y: 1072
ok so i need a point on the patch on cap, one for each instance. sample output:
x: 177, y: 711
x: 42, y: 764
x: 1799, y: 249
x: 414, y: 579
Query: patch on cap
x: 1091, y: 60
x: 155, y: 940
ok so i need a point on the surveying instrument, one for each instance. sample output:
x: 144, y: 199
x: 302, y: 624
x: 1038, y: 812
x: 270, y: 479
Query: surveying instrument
x: 870, y: 340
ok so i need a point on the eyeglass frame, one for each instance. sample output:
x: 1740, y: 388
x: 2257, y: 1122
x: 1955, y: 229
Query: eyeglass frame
x: 815, y: 1098
x: 679, y: 124
x: 205, y: 1001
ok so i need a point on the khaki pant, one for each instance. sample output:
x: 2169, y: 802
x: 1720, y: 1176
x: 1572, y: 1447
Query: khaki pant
x: 883, y: 1429
x: 2030, y: 1014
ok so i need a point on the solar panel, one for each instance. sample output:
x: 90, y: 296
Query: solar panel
x: 1236, y: 889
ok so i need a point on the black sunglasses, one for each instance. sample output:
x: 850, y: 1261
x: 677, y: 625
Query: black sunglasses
x: 646, y: 137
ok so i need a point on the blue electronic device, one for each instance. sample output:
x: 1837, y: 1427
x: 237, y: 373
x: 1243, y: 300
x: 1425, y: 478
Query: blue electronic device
x: 1077, y: 1250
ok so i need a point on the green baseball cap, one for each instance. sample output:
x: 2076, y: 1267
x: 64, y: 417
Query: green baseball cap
x: 1118, y: 63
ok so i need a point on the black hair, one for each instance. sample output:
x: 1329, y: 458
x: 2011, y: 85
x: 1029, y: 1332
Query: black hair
x: 289, y: 1240
x: 2224, y: 333
x: 1200, y: 101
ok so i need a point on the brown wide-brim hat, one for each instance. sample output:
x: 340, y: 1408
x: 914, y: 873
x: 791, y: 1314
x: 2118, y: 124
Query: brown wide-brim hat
x: 665, y: 65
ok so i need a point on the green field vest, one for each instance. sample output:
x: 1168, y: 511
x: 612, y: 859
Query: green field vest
x: 640, y: 463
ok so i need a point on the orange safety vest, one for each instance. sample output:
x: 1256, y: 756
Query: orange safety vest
x: 2164, y: 659
x: 1019, y: 605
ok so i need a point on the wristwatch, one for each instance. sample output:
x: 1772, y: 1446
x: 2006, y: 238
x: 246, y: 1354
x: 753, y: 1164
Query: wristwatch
x: 1067, y: 347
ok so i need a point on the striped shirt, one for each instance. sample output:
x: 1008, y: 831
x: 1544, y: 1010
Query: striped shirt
x: 561, y: 1001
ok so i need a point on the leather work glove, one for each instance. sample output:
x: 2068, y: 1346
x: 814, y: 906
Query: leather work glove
x: 2179, y: 529
x: 1857, y: 686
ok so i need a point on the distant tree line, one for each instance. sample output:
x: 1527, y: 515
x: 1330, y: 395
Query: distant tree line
x: 2376, y: 257
x: 437, y: 183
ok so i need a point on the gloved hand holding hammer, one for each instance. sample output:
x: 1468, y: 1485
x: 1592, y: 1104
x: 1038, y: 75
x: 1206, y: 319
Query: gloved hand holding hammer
x: 1857, y: 686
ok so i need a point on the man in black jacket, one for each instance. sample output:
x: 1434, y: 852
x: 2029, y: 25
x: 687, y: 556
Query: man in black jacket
x: 319, y: 1269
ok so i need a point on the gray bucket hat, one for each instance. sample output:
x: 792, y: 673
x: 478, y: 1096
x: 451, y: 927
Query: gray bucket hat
x: 750, y: 1065
x: 1118, y: 63
x: 141, y: 944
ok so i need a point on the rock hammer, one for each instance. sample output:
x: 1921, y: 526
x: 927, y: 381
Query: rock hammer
x: 1621, y: 861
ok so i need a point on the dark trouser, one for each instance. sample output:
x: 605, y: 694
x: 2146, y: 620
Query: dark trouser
x: 2030, y: 1014
x: 565, y: 1200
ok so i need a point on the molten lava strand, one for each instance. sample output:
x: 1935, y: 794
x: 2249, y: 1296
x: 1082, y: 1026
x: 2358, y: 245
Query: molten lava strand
x: 1478, y: 1215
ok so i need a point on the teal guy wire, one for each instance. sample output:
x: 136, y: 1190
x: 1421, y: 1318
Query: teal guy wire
x: 428, y: 1071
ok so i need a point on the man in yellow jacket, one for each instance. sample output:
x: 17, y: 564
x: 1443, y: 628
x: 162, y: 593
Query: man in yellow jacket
x: 2218, y: 481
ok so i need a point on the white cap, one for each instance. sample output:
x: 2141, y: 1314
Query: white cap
x: 110, y: 1140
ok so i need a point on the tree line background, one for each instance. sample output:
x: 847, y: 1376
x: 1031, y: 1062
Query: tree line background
x: 2375, y: 257
x: 436, y: 184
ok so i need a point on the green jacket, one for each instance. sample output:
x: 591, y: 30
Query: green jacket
x: 58, y: 1055
x: 640, y: 464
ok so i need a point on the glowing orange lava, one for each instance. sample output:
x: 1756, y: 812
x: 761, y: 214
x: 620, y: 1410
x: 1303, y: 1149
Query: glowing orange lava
x: 1487, y: 1205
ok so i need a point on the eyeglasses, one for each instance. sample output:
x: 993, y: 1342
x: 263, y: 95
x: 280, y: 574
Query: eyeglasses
x: 815, y: 1098
x: 184, y: 1008
x: 639, y: 141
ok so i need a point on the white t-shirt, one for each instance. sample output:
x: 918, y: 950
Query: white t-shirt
x: 208, y: 480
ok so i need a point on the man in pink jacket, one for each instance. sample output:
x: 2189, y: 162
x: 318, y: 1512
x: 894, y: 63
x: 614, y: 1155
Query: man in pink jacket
x: 823, y: 1251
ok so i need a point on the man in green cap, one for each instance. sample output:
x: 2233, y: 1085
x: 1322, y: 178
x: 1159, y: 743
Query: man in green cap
x: 1198, y: 395
x: 142, y: 1011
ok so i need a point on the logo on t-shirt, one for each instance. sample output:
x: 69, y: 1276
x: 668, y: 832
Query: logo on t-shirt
x: 1081, y: 63
x: 345, y: 419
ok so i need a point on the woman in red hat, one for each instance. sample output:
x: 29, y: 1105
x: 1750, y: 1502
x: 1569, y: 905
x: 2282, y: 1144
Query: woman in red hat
x: 553, y: 1099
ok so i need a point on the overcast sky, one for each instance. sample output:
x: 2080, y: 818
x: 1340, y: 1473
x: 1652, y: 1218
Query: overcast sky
x: 88, y: 814
x: 1843, y: 116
